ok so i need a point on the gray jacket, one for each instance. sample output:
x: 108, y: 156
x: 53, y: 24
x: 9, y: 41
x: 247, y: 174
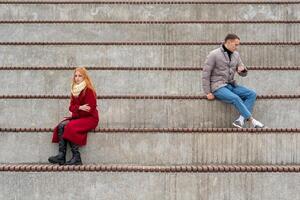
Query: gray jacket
x: 218, y: 70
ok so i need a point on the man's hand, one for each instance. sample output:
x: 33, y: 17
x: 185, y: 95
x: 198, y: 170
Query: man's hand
x: 210, y: 96
x: 241, y: 69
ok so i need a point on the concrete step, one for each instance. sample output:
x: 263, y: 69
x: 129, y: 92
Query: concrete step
x: 152, y: 113
x: 112, y: 82
x: 161, y: 148
x: 140, y: 55
x: 144, y: 11
x: 119, y: 183
x: 147, y: 32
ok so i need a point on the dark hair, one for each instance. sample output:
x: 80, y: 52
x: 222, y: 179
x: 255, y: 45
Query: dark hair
x: 231, y: 36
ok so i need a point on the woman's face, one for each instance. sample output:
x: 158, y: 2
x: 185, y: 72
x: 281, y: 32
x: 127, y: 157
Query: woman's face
x: 78, y: 77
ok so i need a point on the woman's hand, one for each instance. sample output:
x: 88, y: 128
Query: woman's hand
x: 85, y: 107
x: 69, y: 116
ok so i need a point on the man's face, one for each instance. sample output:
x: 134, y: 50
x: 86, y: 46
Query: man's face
x: 232, y: 45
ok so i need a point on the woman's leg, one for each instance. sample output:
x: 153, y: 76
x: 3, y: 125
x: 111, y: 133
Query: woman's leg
x: 76, y: 159
x: 60, y: 158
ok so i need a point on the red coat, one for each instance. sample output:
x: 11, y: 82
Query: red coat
x: 81, y: 121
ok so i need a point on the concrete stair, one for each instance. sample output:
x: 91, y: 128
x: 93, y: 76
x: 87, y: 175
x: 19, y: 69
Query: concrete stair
x: 143, y: 82
x: 140, y: 55
x: 148, y: 113
x: 153, y: 11
x: 190, y: 31
x: 161, y: 146
x: 158, y: 138
x: 123, y: 182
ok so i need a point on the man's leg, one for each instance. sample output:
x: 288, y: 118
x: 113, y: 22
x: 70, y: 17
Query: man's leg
x: 247, y: 95
x: 226, y: 95
x: 249, y: 98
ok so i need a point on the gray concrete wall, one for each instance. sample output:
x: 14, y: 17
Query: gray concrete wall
x: 148, y: 148
x: 149, y: 186
x: 275, y: 113
x: 160, y: 148
x: 110, y: 82
x: 146, y: 56
x: 147, y: 32
x: 151, y: 12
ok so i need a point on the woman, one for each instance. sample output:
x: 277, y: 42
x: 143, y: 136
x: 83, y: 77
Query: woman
x: 84, y: 117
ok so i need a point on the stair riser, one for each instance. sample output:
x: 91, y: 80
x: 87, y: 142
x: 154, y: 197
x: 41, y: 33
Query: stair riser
x: 147, y: 32
x: 150, y: 12
x: 142, y: 56
x: 149, y: 186
x: 160, y: 148
x: 45, y: 113
x: 111, y: 82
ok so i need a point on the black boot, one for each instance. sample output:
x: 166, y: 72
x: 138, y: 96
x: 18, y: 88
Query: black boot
x: 76, y: 159
x: 60, y: 158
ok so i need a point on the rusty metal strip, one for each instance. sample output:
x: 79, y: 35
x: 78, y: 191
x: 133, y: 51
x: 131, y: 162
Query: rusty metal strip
x: 153, y: 169
x: 168, y: 130
x: 142, y: 97
x: 279, y: 68
x: 274, y: 68
x: 198, y: 130
x: 138, y: 43
x: 151, y: 2
x: 24, y: 130
x: 106, y: 68
x: 150, y: 22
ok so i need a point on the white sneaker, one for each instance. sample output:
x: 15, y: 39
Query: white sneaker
x: 257, y: 124
x: 238, y: 124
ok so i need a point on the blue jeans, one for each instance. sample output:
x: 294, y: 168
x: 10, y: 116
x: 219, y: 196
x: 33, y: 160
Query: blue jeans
x: 241, y: 97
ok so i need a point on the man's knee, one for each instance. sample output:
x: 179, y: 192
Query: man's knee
x: 236, y: 99
x: 253, y: 94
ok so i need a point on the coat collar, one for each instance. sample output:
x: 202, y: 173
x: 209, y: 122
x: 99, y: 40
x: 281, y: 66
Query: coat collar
x: 227, y: 56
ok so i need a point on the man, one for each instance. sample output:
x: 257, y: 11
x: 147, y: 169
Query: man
x: 218, y: 80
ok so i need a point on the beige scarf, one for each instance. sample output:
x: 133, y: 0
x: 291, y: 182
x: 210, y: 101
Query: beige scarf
x: 77, y: 88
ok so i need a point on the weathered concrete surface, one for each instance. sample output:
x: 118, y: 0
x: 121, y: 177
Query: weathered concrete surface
x: 275, y: 113
x: 147, y: 32
x: 150, y: 186
x: 146, y: 56
x: 148, y: 148
x: 150, y: 12
x: 112, y: 82
x: 160, y: 148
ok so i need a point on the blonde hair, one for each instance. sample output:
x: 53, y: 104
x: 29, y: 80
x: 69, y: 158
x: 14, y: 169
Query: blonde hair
x: 86, y: 78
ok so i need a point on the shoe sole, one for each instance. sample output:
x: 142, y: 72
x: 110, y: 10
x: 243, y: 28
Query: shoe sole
x: 261, y: 127
x: 53, y: 162
x: 237, y: 126
x: 74, y: 164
